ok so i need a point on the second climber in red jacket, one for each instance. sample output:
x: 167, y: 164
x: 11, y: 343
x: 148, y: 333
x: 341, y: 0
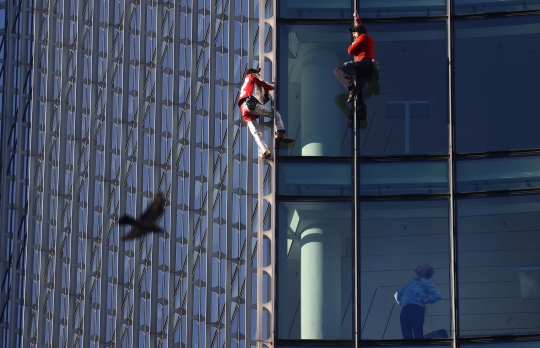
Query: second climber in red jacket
x: 252, y: 99
x: 362, y: 67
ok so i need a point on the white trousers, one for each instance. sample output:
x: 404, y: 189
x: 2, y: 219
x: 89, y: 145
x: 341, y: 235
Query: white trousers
x: 257, y: 135
x: 263, y: 110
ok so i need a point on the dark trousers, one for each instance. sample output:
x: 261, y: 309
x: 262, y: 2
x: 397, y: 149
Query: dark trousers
x: 362, y: 71
x: 412, y: 321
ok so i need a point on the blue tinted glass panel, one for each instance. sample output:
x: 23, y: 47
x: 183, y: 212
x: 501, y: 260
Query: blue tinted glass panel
x: 498, y: 174
x: 392, y: 8
x: 314, y: 272
x: 411, y: 346
x: 322, y: 179
x: 390, y: 178
x: 396, y: 237
x: 513, y: 344
x: 312, y: 101
x: 486, y: 6
x: 496, y: 77
x: 407, y: 103
x: 499, y: 265
x: 312, y: 346
x: 315, y: 9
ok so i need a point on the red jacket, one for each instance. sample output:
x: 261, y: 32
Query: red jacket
x: 363, y: 47
x: 254, y: 86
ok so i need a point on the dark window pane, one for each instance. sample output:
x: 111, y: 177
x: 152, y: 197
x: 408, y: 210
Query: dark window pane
x: 493, y: 174
x: 395, y: 238
x: 391, y: 178
x: 486, y: 6
x: 317, y: 346
x: 332, y: 179
x: 498, y: 260
x: 390, y: 8
x: 496, y: 83
x: 315, y: 9
x: 441, y: 345
x: 513, y: 344
x: 408, y: 105
x: 315, y: 283
x: 312, y: 101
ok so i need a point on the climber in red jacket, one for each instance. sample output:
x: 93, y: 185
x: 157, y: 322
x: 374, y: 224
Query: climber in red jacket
x: 363, y: 66
x: 253, y: 96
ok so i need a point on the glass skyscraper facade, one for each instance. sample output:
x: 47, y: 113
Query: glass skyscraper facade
x: 105, y: 103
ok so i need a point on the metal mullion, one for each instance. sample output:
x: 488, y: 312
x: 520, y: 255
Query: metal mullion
x: 251, y: 149
x: 270, y: 197
x: 203, y: 209
x: 140, y: 242
x: 230, y: 168
x: 103, y: 175
x: 163, y: 331
x: 191, y: 195
x: 157, y: 165
x: 173, y: 198
x: 261, y: 174
x: 212, y: 147
x: 451, y: 171
x: 77, y: 182
x: 231, y: 174
x: 356, y: 228
x: 122, y: 324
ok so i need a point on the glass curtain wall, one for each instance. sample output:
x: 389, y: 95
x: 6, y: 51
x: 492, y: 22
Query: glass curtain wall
x: 103, y: 105
x: 444, y: 171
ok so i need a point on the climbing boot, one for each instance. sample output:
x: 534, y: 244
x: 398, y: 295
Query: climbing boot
x: 280, y: 137
x: 352, y: 93
x: 267, y: 154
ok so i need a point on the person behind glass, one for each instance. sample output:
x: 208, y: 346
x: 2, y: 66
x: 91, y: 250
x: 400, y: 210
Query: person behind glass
x: 363, y: 65
x: 413, y: 298
x: 253, y: 96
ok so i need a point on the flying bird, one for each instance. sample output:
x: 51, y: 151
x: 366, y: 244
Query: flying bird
x: 147, y: 222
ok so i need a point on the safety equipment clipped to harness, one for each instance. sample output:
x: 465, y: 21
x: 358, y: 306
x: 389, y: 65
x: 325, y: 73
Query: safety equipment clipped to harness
x: 251, y: 103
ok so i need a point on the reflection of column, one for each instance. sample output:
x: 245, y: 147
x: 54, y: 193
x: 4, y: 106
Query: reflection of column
x: 320, y: 283
x: 320, y: 124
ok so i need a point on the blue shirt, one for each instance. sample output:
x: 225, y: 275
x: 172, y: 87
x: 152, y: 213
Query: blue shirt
x: 418, y: 292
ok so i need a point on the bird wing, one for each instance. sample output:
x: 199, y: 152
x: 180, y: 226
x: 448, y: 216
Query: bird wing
x: 154, y: 211
x: 134, y: 233
x: 146, y: 223
x: 126, y: 220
